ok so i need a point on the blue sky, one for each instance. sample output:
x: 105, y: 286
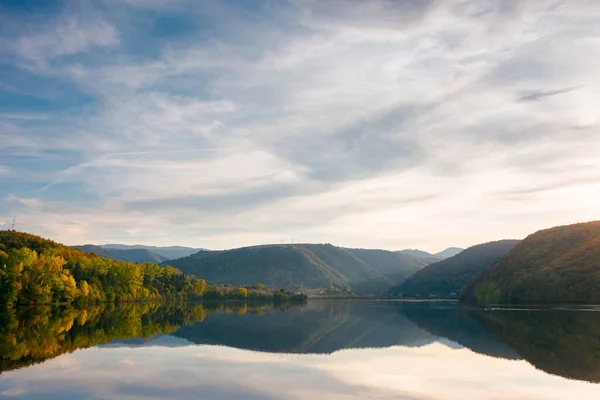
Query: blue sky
x: 218, y: 124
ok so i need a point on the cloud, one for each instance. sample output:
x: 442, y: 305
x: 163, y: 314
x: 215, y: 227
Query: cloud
x: 79, y: 29
x: 537, y: 95
x: 385, y: 123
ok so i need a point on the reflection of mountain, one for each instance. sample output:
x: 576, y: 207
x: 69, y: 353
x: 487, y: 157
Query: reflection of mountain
x: 319, y: 327
x: 158, y: 340
x: 560, y: 342
x: 454, y: 323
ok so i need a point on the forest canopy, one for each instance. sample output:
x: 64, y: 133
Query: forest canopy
x: 444, y: 279
x: 557, y: 265
x: 34, y: 270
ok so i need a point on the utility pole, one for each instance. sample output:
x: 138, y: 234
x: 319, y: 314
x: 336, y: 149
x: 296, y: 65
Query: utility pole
x: 14, y: 224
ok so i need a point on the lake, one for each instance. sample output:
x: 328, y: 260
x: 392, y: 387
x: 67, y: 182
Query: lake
x: 320, y: 350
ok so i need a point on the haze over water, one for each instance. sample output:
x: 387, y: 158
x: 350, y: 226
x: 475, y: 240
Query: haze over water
x: 332, y: 349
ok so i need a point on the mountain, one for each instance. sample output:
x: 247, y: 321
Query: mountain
x: 167, y: 252
x: 131, y: 255
x: 396, y: 267
x: 445, y: 278
x: 449, y: 252
x: 429, y: 258
x: 557, y: 265
x: 303, y: 266
x: 424, y: 256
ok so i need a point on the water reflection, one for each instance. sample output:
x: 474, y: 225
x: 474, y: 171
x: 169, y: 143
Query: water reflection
x: 319, y: 327
x: 562, y: 342
x: 390, y: 350
x: 32, y: 335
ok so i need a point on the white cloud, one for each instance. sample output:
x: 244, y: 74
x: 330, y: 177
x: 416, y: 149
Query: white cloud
x: 79, y: 29
x: 383, y: 124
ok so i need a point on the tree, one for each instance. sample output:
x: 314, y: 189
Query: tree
x: 241, y: 293
x: 199, y: 287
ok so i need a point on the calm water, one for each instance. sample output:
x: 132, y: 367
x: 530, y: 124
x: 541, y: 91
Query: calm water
x: 322, y: 350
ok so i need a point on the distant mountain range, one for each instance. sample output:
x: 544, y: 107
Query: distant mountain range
x: 138, y: 253
x: 169, y: 252
x: 445, y: 278
x: 131, y: 255
x: 449, y: 252
x: 430, y: 258
x: 557, y: 265
x: 560, y: 264
x: 303, y: 266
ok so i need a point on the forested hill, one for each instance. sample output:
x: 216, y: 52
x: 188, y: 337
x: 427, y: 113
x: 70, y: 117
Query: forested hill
x: 424, y: 256
x: 445, y: 278
x: 307, y: 266
x: 557, y: 265
x: 132, y: 255
x: 34, y: 270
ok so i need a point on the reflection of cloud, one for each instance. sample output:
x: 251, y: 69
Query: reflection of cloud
x: 429, y: 372
x: 127, y: 362
x: 13, y: 392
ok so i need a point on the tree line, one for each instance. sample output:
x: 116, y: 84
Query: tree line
x: 34, y: 270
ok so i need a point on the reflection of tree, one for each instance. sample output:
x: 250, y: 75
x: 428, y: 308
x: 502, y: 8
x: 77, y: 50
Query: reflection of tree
x: 560, y: 342
x: 32, y: 335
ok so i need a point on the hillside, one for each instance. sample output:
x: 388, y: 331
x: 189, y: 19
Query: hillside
x: 557, y: 265
x: 131, y: 255
x: 445, y: 278
x: 34, y: 270
x: 303, y: 266
x: 167, y: 252
x: 387, y: 263
x: 424, y: 256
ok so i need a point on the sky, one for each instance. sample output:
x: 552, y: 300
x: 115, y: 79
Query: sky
x: 219, y: 124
